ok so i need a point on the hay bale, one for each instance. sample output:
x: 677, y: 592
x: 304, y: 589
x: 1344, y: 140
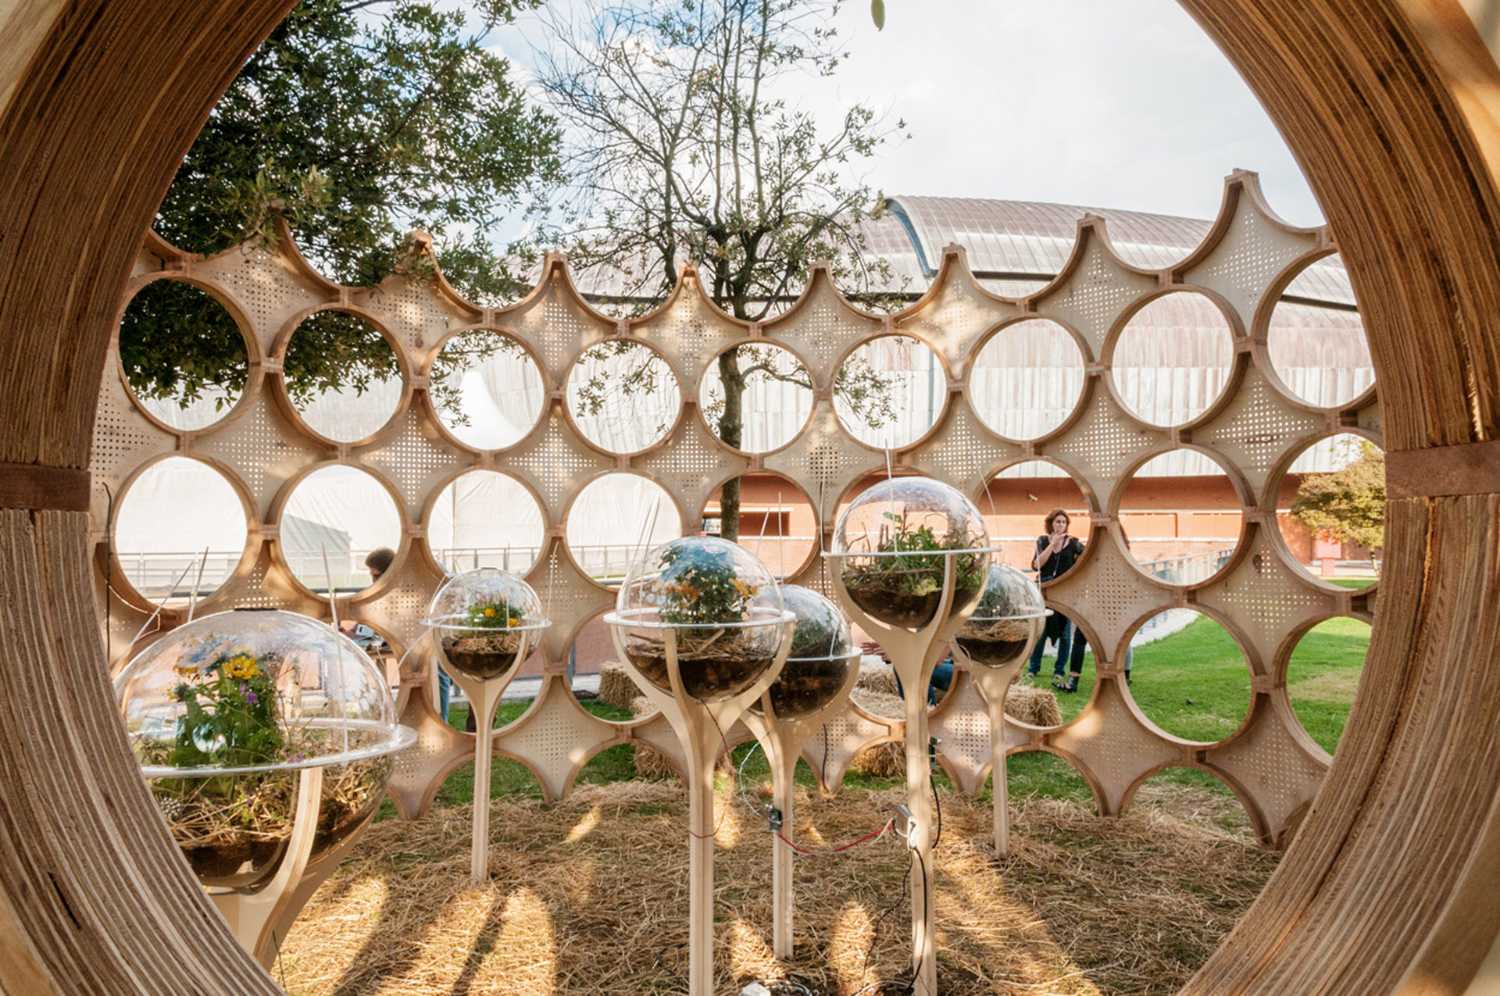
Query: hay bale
x: 1029, y: 704
x: 887, y: 760
x: 875, y: 675
x: 649, y: 762
x: 616, y: 686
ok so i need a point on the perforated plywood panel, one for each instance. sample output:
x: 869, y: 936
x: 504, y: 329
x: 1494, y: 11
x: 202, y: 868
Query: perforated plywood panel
x: 1255, y: 430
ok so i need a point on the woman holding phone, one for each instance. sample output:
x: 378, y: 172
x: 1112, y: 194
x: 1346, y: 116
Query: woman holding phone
x: 1056, y: 553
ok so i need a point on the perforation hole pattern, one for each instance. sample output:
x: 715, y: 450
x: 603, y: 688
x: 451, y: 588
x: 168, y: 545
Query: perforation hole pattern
x: 1260, y: 597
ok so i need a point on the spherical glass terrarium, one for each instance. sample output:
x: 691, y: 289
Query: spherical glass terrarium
x: 819, y: 659
x: 485, y: 620
x: 225, y: 711
x: 715, y: 602
x: 893, y: 542
x: 1007, y: 620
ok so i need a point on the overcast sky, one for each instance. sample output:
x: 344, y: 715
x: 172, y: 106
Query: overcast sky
x: 1104, y: 103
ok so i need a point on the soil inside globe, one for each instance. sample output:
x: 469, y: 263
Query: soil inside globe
x: 351, y: 794
x: 806, y: 685
x: 482, y: 654
x: 233, y: 829
x: 995, y: 643
x: 711, y: 669
x: 904, y: 609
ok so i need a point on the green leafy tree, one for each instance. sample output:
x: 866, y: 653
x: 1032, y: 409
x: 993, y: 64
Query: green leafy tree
x: 1347, y: 505
x: 357, y: 120
x: 682, y: 150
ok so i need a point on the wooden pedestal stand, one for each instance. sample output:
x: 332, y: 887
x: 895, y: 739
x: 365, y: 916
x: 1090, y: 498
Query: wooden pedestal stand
x: 994, y: 683
x: 701, y: 727
x: 783, y: 739
x: 484, y: 696
x: 914, y: 654
x: 260, y: 920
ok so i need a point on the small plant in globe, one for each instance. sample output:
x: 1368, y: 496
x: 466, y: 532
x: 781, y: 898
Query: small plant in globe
x: 905, y: 584
x: 230, y: 718
x: 494, y: 615
x: 699, y: 585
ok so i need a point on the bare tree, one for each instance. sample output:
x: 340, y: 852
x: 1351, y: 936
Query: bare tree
x: 684, y: 148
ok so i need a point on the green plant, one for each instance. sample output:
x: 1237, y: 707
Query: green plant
x: 1347, y: 505
x: 698, y: 584
x: 494, y: 614
x: 230, y: 717
x: 911, y: 560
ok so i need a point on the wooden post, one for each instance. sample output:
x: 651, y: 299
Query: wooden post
x: 914, y: 654
x: 484, y: 697
x: 259, y: 919
x: 783, y: 740
x: 994, y: 683
x: 701, y: 728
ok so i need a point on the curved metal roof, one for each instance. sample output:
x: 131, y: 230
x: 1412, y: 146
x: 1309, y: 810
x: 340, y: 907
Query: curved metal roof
x: 1015, y: 247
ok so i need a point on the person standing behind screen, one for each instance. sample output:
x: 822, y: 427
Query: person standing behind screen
x: 1056, y: 553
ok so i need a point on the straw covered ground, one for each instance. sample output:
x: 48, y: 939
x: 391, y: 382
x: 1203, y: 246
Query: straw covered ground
x: 588, y: 896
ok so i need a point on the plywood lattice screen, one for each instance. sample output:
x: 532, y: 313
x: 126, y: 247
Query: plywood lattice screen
x: 1254, y: 430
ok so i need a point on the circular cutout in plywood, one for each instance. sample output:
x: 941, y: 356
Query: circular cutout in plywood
x: 756, y: 397
x: 179, y: 515
x: 890, y: 392
x: 182, y: 354
x: 1173, y: 359
x: 1316, y: 338
x: 615, y: 519
x: 1020, y: 504
x: 775, y: 520
x: 623, y: 396
x: 346, y: 513
x: 342, y: 376
x: 1188, y: 675
x: 483, y: 518
x: 1180, y: 516
x: 1027, y: 379
x: 486, y: 389
x: 1330, y: 510
x: 1323, y: 674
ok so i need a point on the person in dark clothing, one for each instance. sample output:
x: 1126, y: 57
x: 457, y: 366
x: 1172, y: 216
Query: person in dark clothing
x: 1056, y: 553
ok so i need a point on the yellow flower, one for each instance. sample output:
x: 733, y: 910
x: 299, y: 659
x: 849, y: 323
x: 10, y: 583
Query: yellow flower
x: 186, y: 670
x: 489, y: 612
x: 745, y: 588
x: 242, y: 667
x: 512, y: 621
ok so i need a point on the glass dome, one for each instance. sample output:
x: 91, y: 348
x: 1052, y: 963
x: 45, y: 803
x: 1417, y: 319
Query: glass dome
x: 1007, y: 620
x: 222, y: 713
x: 482, y: 619
x: 893, y: 540
x: 717, y: 601
x: 820, y: 657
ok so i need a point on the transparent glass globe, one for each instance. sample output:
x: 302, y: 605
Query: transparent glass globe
x: 716, y: 601
x: 224, y: 712
x: 819, y: 659
x: 483, y: 620
x: 1007, y: 620
x: 892, y: 542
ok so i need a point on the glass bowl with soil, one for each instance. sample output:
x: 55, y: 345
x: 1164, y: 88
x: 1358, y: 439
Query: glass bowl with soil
x: 893, y: 542
x: 1007, y: 621
x: 820, y: 657
x: 715, y: 602
x: 224, y: 712
x: 484, y: 622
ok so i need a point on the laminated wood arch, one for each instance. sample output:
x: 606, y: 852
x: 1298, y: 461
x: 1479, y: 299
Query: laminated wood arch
x: 1389, y: 106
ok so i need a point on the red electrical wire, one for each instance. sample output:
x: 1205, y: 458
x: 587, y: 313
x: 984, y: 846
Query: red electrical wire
x: 824, y: 852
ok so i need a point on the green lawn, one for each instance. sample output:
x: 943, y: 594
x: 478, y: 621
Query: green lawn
x: 1357, y: 584
x: 1194, y: 684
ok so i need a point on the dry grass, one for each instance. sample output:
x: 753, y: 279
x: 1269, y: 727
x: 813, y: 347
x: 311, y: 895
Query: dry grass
x: 616, y: 686
x: 1037, y: 706
x: 589, y: 896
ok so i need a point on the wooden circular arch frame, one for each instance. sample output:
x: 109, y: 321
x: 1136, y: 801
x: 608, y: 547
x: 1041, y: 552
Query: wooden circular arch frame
x: 1390, y: 107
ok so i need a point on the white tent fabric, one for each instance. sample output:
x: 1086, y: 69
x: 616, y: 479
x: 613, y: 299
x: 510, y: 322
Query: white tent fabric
x: 615, y: 519
x: 775, y: 405
x: 1027, y: 379
x: 346, y: 416
x: 918, y: 389
x: 628, y: 420
x: 485, y: 519
x: 500, y: 397
x: 167, y: 517
x: 328, y: 505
